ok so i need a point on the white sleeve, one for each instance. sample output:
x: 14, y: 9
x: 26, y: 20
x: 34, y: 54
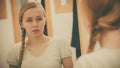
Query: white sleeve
x: 65, y: 49
x: 82, y: 63
x: 12, y: 58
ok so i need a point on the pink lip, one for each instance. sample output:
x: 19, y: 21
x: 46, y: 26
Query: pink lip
x: 35, y: 30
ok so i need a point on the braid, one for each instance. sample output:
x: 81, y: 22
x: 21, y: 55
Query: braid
x: 22, y: 47
x: 105, y: 15
x: 93, y: 40
x: 24, y: 8
x: 94, y: 36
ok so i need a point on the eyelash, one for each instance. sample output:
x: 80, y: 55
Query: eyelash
x: 28, y: 20
x: 39, y: 19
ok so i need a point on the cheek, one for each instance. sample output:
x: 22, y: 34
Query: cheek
x: 42, y: 25
x: 27, y: 27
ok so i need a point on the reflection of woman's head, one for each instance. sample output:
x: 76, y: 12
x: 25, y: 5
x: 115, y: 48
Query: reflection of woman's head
x: 27, y: 6
x: 24, y: 8
x: 102, y: 15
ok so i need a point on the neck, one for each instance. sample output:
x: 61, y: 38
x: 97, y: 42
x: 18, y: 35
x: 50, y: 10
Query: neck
x: 110, y: 39
x: 37, y: 40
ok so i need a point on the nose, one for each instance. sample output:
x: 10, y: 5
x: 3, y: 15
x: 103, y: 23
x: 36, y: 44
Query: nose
x: 35, y: 24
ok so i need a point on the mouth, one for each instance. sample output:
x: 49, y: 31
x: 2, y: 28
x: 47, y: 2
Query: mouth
x: 36, y: 30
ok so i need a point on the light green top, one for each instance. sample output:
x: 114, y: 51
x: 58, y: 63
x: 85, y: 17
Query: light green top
x: 57, y: 49
x: 103, y: 58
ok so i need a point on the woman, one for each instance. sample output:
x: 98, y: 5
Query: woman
x: 39, y: 51
x: 102, y: 20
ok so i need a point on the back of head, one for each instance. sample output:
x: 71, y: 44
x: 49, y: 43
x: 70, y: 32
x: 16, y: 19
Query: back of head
x: 104, y: 15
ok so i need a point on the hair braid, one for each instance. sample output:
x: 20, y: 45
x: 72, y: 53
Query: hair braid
x: 22, y: 47
x: 94, y: 36
x: 105, y: 15
x: 24, y: 8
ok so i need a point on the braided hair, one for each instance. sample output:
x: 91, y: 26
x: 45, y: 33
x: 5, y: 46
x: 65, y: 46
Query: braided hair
x: 24, y: 8
x: 105, y: 15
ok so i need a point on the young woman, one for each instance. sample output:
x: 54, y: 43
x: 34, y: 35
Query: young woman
x: 102, y: 20
x: 38, y: 51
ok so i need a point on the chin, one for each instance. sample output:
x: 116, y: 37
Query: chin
x: 36, y: 35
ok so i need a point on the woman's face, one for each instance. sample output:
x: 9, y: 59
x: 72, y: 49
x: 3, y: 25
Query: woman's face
x: 33, y: 22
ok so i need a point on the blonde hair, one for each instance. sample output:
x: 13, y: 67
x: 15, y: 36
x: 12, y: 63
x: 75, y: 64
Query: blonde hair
x: 24, y: 8
x: 105, y: 15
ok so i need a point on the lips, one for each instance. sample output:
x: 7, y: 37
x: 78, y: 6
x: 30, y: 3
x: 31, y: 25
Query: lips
x: 35, y: 30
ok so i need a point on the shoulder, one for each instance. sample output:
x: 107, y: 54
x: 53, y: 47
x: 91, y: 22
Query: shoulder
x: 13, y: 54
x: 90, y: 56
x: 90, y: 59
x: 63, y: 46
x: 60, y: 39
x: 82, y: 62
x: 85, y: 61
x: 97, y: 59
x: 15, y: 48
x: 57, y: 38
x: 60, y: 42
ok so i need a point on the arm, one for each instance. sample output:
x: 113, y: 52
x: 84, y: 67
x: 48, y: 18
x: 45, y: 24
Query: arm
x: 12, y: 66
x: 67, y: 62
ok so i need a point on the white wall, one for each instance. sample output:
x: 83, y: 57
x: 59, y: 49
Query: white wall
x: 6, y: 35
x: 61, y: 23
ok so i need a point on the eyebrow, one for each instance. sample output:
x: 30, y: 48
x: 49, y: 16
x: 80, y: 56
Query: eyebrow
x: 28, y: 18
x: 36, y: 17
x: 40, y: 16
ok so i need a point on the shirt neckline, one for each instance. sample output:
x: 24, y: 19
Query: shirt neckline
x: 43, y: 53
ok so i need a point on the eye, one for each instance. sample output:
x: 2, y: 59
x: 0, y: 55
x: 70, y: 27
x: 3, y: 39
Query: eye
x: 28, y: 20
x: 40, y: 19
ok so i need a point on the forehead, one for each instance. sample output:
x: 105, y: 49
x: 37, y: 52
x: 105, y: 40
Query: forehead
x: 33, y: 12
